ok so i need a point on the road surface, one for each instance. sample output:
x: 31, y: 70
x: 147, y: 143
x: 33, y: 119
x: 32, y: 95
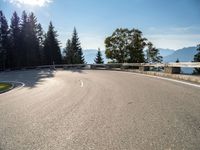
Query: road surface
x: 97, y: 110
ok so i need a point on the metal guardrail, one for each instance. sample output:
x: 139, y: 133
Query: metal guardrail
x: 124, y: 65
x: 185, y: 64
x: 180, y: 64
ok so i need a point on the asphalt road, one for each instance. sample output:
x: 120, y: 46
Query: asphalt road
x: 100, y: 110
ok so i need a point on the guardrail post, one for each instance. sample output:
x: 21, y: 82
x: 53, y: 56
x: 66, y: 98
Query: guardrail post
x: 92, y: 67
x: 144, y: 68
x: 108, y: 67
x: 172, y: 70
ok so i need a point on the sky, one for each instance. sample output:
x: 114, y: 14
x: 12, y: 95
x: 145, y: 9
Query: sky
x: 172, y: 24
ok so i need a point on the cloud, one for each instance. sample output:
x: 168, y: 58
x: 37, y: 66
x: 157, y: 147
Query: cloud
x: 173, y: 37
x: 39, y: 3
x: 174, y: 30
x: 174, y: 41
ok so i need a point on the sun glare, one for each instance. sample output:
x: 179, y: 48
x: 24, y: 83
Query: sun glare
x: 39, y: 3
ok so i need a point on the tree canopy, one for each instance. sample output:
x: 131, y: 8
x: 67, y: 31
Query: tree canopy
x: 128, y: 46
x: 25, y: 44
x: 152, y: 54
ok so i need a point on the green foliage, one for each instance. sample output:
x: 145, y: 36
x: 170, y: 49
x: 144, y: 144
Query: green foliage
x: 99, y: 59
x: 116, y: 45
x: 5, y: 86
x: 4, y: 41
x: 52, y: 54
x: 41, y: 37
x: 73, y: 51
x: 25, y: 44
x: 126, y: 45
x: 197, y: 59
x: 136, y: 46
x: 153, y: 54
x: 69, y: 53
x: 15, y: 54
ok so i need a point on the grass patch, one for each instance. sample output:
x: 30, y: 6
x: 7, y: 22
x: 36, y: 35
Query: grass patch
x: 5, y: 86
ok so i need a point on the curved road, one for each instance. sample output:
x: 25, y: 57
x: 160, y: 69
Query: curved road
x: 98, y: 110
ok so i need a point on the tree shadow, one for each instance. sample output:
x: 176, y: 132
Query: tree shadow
x: 76, y: 71
x: 31, y: 78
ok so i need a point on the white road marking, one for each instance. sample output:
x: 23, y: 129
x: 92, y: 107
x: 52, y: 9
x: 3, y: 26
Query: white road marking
x: 81, y: 83
x: 163, y: 78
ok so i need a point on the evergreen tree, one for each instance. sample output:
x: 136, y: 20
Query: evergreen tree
x: 69, y: 53
x: 76, y: 49
x: 24, y: 40
x: 197, y: 59
x: 73, y: 51
x: 52, y: 54
x: 4, y: 41
x: 15, y: 40
x: 41, y: 38
x: 177, y: 61
x: 33, y: 55
x: 99, y: 59
x: 153, y: 54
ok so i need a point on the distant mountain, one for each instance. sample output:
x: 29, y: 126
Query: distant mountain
x: 184, y: 55
x: 169, y: 55
x: 166, y: 52
x: 90, y: 55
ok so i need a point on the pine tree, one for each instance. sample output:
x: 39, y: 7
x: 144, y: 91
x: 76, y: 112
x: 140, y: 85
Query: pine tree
x: 99, y: 59
x: 41, y: 38
x: 4, y: 41
x: 76, y: 49
x: 197, y: 59
x: 33, y: 54
x: 24, y: 40
x: 15, y: 40
x: 69, y: 53
x: 153, y: 54
x: 52, y: 54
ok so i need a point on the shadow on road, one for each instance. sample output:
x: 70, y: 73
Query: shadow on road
x: 76, y: 71
x: 31, y: 78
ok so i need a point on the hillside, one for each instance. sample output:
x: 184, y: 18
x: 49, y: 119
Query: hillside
x: 184, y: 55
x: 166, y: 52
x: 169, y: 55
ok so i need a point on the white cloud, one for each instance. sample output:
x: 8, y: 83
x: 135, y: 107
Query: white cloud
x: 174, y: 37
x: 39, y: 3
x: 174, y: 41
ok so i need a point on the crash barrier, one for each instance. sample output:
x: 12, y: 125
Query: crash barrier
x: 171, y: 68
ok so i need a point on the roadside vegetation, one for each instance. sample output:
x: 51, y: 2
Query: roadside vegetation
x: 25, y: 44
x: 5, y: 86
x: 130, y: 46
x: 99, y: 59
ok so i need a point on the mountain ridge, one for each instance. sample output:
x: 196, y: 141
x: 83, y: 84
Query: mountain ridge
x: 185, y: 54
